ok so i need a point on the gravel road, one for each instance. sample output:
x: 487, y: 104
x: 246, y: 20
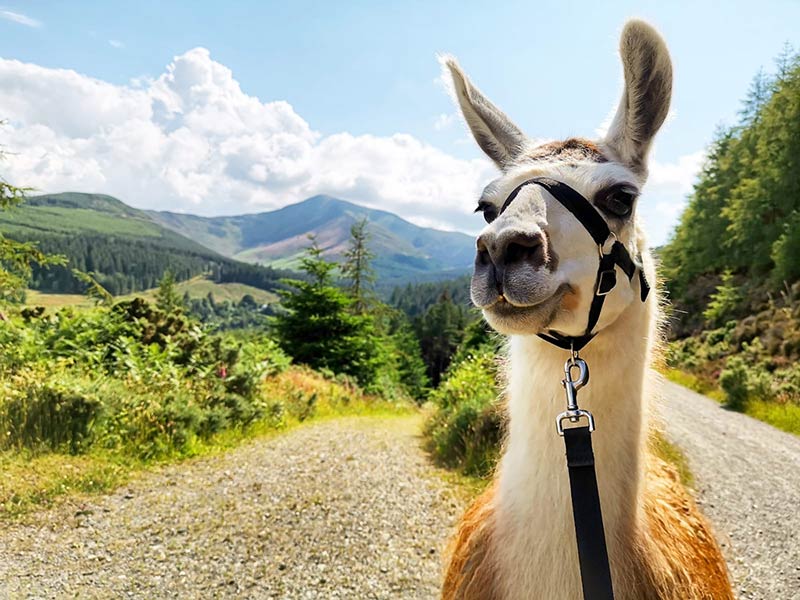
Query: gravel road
x: 339, y: 509
x: 351, y: 508
x: 747, y: 475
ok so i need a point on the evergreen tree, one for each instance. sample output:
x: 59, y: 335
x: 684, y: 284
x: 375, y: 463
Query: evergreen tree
x: 356, y: 269
x: 743, y: 215
x: 319, y: 329
x: 167, y: 297
x: 440, y: 331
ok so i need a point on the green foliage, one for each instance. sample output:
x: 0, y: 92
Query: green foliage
x: 356, y: 268
x: 317, y: 327
x: 167, y: 297
x: 734, y: 381
x: 18, y: 258
x: 130, y: 378
x: 440, y: 331
x: 742, y: 216
x: 786, y: 251
x: 466, y: 428
x: 416, y: 299
x: 723, y: 302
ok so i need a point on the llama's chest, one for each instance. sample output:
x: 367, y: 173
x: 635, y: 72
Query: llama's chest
x: 537, y: 555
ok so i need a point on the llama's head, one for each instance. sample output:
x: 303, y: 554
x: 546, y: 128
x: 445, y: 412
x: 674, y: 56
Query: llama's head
x: 536, y: 265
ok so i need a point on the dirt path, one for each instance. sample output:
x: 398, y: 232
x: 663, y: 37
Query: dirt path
x: 748, y: 479
x: 339, y: 509
x: 351, y: 508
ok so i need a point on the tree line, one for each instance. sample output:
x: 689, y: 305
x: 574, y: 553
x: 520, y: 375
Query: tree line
x: 123, y: 265
x: 742, y: 224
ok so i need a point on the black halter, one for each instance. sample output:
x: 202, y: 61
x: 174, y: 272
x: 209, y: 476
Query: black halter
x: 618, y: 256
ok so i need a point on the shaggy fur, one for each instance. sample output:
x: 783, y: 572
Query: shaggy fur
x: 675, y: 556
x: 517, y: 541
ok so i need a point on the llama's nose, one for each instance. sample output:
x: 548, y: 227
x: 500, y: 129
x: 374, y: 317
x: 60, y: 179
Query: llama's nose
x: 510, y: 249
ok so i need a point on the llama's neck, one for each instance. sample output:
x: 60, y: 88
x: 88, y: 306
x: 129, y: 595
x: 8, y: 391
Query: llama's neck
x: 534, y: 514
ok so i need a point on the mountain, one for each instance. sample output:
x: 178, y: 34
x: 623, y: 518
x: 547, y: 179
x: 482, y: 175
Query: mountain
x: 403, y: 251
x: 126, y: 249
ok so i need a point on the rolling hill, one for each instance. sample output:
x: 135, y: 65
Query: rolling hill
x: 403, y: 251
x: 126, y: 249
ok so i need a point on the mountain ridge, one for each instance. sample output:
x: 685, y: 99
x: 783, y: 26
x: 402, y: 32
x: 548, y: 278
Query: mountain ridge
x: 404, y: 251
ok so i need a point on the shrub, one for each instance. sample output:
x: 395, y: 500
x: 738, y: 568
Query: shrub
x: 734, y: 381
x: 466, y: 428
x: 42, y: 413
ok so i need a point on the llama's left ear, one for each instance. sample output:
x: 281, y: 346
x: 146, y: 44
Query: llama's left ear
x: 645, y: 101
x: 498, y: 137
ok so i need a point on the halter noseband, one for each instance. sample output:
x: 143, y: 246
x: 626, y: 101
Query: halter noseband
x: 618, y: 256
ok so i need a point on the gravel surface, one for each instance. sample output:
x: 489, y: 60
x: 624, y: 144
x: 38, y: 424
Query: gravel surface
x: 351, y: 509
x: 747, y: 475
x: 339, y: 509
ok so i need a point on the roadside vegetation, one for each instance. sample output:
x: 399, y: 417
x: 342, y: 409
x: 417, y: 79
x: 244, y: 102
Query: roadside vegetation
x: 89, y: 395
x: 733, y: 264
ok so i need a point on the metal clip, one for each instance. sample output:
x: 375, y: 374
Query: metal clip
x: 571, y: 387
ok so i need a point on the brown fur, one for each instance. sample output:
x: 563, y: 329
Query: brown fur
x: 572, y: 148
x: 675, y: 554
x: 471, y: 570
x: 680, y: 558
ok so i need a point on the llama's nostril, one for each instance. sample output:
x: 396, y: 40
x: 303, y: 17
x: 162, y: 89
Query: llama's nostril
x: 483, y: 258
x: 527, y: 248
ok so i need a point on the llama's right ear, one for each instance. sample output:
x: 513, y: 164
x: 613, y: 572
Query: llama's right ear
x: 497, y: 136
x: 645, y: 101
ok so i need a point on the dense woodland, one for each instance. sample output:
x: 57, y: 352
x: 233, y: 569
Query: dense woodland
x: 743, y: 216
x: 732, y: 267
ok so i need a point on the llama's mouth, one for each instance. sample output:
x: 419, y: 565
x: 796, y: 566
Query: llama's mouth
x: 506, y: 317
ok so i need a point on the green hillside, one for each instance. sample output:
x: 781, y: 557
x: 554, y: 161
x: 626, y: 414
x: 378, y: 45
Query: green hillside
x: 123, y: 246
x: 733, y: 264
x: 197, y: 287
x: 404, y: 252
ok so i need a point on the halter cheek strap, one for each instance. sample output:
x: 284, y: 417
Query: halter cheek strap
x: 617, y: 256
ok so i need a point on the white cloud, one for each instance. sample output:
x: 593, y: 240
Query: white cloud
x: 444, y: 120
x: 191, y: 140
x: 665, y: 194
x: 116, y: 44
x: 19, y: 18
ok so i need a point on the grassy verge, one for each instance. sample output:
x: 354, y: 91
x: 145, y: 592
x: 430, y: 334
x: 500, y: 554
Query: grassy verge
x: 673, y: 455
x: 33, y: 481
x: 694, y: 383
x: 782, y: 415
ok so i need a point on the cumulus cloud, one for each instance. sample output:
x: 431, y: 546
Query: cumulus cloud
x: 192, y: 140
x: 116, y: 44
x: 19, y: 18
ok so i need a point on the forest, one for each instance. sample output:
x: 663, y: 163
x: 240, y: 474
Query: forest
x: 732, y: 267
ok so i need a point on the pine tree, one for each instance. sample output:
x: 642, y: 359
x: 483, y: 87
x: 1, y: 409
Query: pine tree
x: 318, y: 328
x: 167, y: 297
x: 357, y: 270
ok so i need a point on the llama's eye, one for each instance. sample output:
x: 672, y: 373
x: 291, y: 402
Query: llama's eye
x: 617, y: 201
x: 488, y: 210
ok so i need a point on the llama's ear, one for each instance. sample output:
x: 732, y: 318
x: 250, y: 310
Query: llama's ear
x: 645, y: 101
x: 497, y: 136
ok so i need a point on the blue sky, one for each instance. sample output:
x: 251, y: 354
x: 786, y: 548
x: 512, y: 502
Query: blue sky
x: 354, y: 75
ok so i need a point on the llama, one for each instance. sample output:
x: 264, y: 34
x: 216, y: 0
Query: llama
x: 535, y: 272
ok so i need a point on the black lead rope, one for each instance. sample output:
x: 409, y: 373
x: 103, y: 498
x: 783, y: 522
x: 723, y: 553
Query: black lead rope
x: 586, y: 512
x: 592, y: 552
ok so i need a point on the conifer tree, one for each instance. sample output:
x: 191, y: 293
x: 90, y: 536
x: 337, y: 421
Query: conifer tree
x: 357, y: 269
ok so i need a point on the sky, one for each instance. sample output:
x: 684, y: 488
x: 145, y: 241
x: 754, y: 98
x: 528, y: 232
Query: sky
x: 219, y: 108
